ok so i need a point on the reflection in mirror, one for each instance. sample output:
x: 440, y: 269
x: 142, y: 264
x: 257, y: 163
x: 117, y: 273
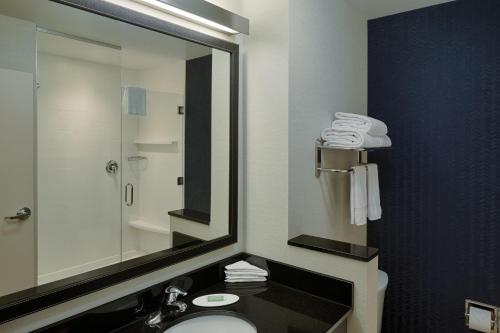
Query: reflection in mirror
x: 116, y: 137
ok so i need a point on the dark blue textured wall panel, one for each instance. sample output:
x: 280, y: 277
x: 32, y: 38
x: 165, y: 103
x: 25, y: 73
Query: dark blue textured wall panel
x: 198, y: 135
x: 434, y: 77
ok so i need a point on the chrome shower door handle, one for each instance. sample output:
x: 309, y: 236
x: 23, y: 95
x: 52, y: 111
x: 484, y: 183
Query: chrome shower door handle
x: 112, y: 167
x: 21, y: 214
x: 131, y: 202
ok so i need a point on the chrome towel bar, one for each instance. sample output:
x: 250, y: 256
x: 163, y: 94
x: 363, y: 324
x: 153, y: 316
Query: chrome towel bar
x: 335, y: 170
x: 136, y: 158
x: 318, y: 168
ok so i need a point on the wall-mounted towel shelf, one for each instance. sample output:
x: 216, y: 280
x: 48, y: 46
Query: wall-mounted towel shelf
x: 318, y: 170
x: 154, y: 142
x: 136, y: 158
x: 319, y: 147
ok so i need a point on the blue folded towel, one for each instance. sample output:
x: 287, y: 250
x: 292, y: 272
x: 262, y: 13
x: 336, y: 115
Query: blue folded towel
x: 136, y: 101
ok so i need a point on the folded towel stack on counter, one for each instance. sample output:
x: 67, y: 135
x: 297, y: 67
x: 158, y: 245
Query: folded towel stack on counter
x: 247, y: 288
x: 243, y: 271
x: 351, y: 130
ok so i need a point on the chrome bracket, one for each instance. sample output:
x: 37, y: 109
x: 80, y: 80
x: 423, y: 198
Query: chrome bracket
x: 318, y: 164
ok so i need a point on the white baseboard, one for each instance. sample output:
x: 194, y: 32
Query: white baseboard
x: 78, y: 269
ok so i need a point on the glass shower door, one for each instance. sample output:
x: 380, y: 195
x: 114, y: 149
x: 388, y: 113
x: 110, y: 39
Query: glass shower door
x: 152, y: 160
x: 78, y: 155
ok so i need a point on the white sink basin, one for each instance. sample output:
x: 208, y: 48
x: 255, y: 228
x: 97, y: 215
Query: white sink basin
x: 213, y: 323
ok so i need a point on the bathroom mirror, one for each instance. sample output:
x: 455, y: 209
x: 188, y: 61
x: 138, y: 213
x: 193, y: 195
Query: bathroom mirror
x: 118, y: 137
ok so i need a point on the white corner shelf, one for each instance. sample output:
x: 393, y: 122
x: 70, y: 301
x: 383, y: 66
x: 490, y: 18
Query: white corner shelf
x: 148, y: 226
x: 154, y: 142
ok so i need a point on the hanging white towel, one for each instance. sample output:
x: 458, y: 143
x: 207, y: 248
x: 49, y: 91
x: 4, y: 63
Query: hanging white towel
x: 353, y: 139
x: 358, y: 196
x: 357, y: 122
x: 374, y: 208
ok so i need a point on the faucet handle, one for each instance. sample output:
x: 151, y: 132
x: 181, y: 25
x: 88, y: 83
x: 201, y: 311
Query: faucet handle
x: 174, y: 292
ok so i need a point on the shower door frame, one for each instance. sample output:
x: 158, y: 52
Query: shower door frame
x: 30, y: 300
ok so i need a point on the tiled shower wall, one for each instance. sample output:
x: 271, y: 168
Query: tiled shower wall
x: 79, y: 131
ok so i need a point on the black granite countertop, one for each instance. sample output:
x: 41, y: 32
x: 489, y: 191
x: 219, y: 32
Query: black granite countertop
x: 293, y: 300
x: 192, y: 215
x: 270, y: 306
x: 338, y: 248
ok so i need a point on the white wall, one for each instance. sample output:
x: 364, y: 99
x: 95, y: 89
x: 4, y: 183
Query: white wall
x: 18, y: 42
x: 328, y: 74
x: 219, y: 196
x: 170, y: 77
x: 79, y: 131
x: 17, y: 179
x: 266, y: 109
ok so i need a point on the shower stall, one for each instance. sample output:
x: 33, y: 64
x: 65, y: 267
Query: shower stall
x: 108, y: 156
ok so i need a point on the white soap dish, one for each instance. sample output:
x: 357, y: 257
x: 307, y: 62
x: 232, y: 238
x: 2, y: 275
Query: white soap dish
x: 214, y: 300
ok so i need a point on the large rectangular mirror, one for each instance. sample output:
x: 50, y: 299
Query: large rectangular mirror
x: 117, y: 144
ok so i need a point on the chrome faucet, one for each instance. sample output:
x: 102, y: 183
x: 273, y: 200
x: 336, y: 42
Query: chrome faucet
x: 172, y: 293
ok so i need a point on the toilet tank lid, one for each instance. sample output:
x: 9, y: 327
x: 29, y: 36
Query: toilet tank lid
x: 383, y: 279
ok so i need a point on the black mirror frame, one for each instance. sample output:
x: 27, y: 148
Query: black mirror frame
x: 30, y: 300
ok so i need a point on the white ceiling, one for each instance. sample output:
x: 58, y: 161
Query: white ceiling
x: 378, y: 8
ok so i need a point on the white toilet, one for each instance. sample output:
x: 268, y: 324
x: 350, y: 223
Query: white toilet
x: 383, y: 280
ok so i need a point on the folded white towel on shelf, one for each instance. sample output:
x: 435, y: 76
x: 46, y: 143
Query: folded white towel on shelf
x: 244, y: 266
x: 243, y: 271
x: 245, y: 279
x: 374, y: 208
x: 356, y: 122
x: 353, y: 139
x: 359, y: 209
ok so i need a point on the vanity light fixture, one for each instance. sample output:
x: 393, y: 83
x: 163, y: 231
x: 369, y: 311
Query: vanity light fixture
x: 202, y: 12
